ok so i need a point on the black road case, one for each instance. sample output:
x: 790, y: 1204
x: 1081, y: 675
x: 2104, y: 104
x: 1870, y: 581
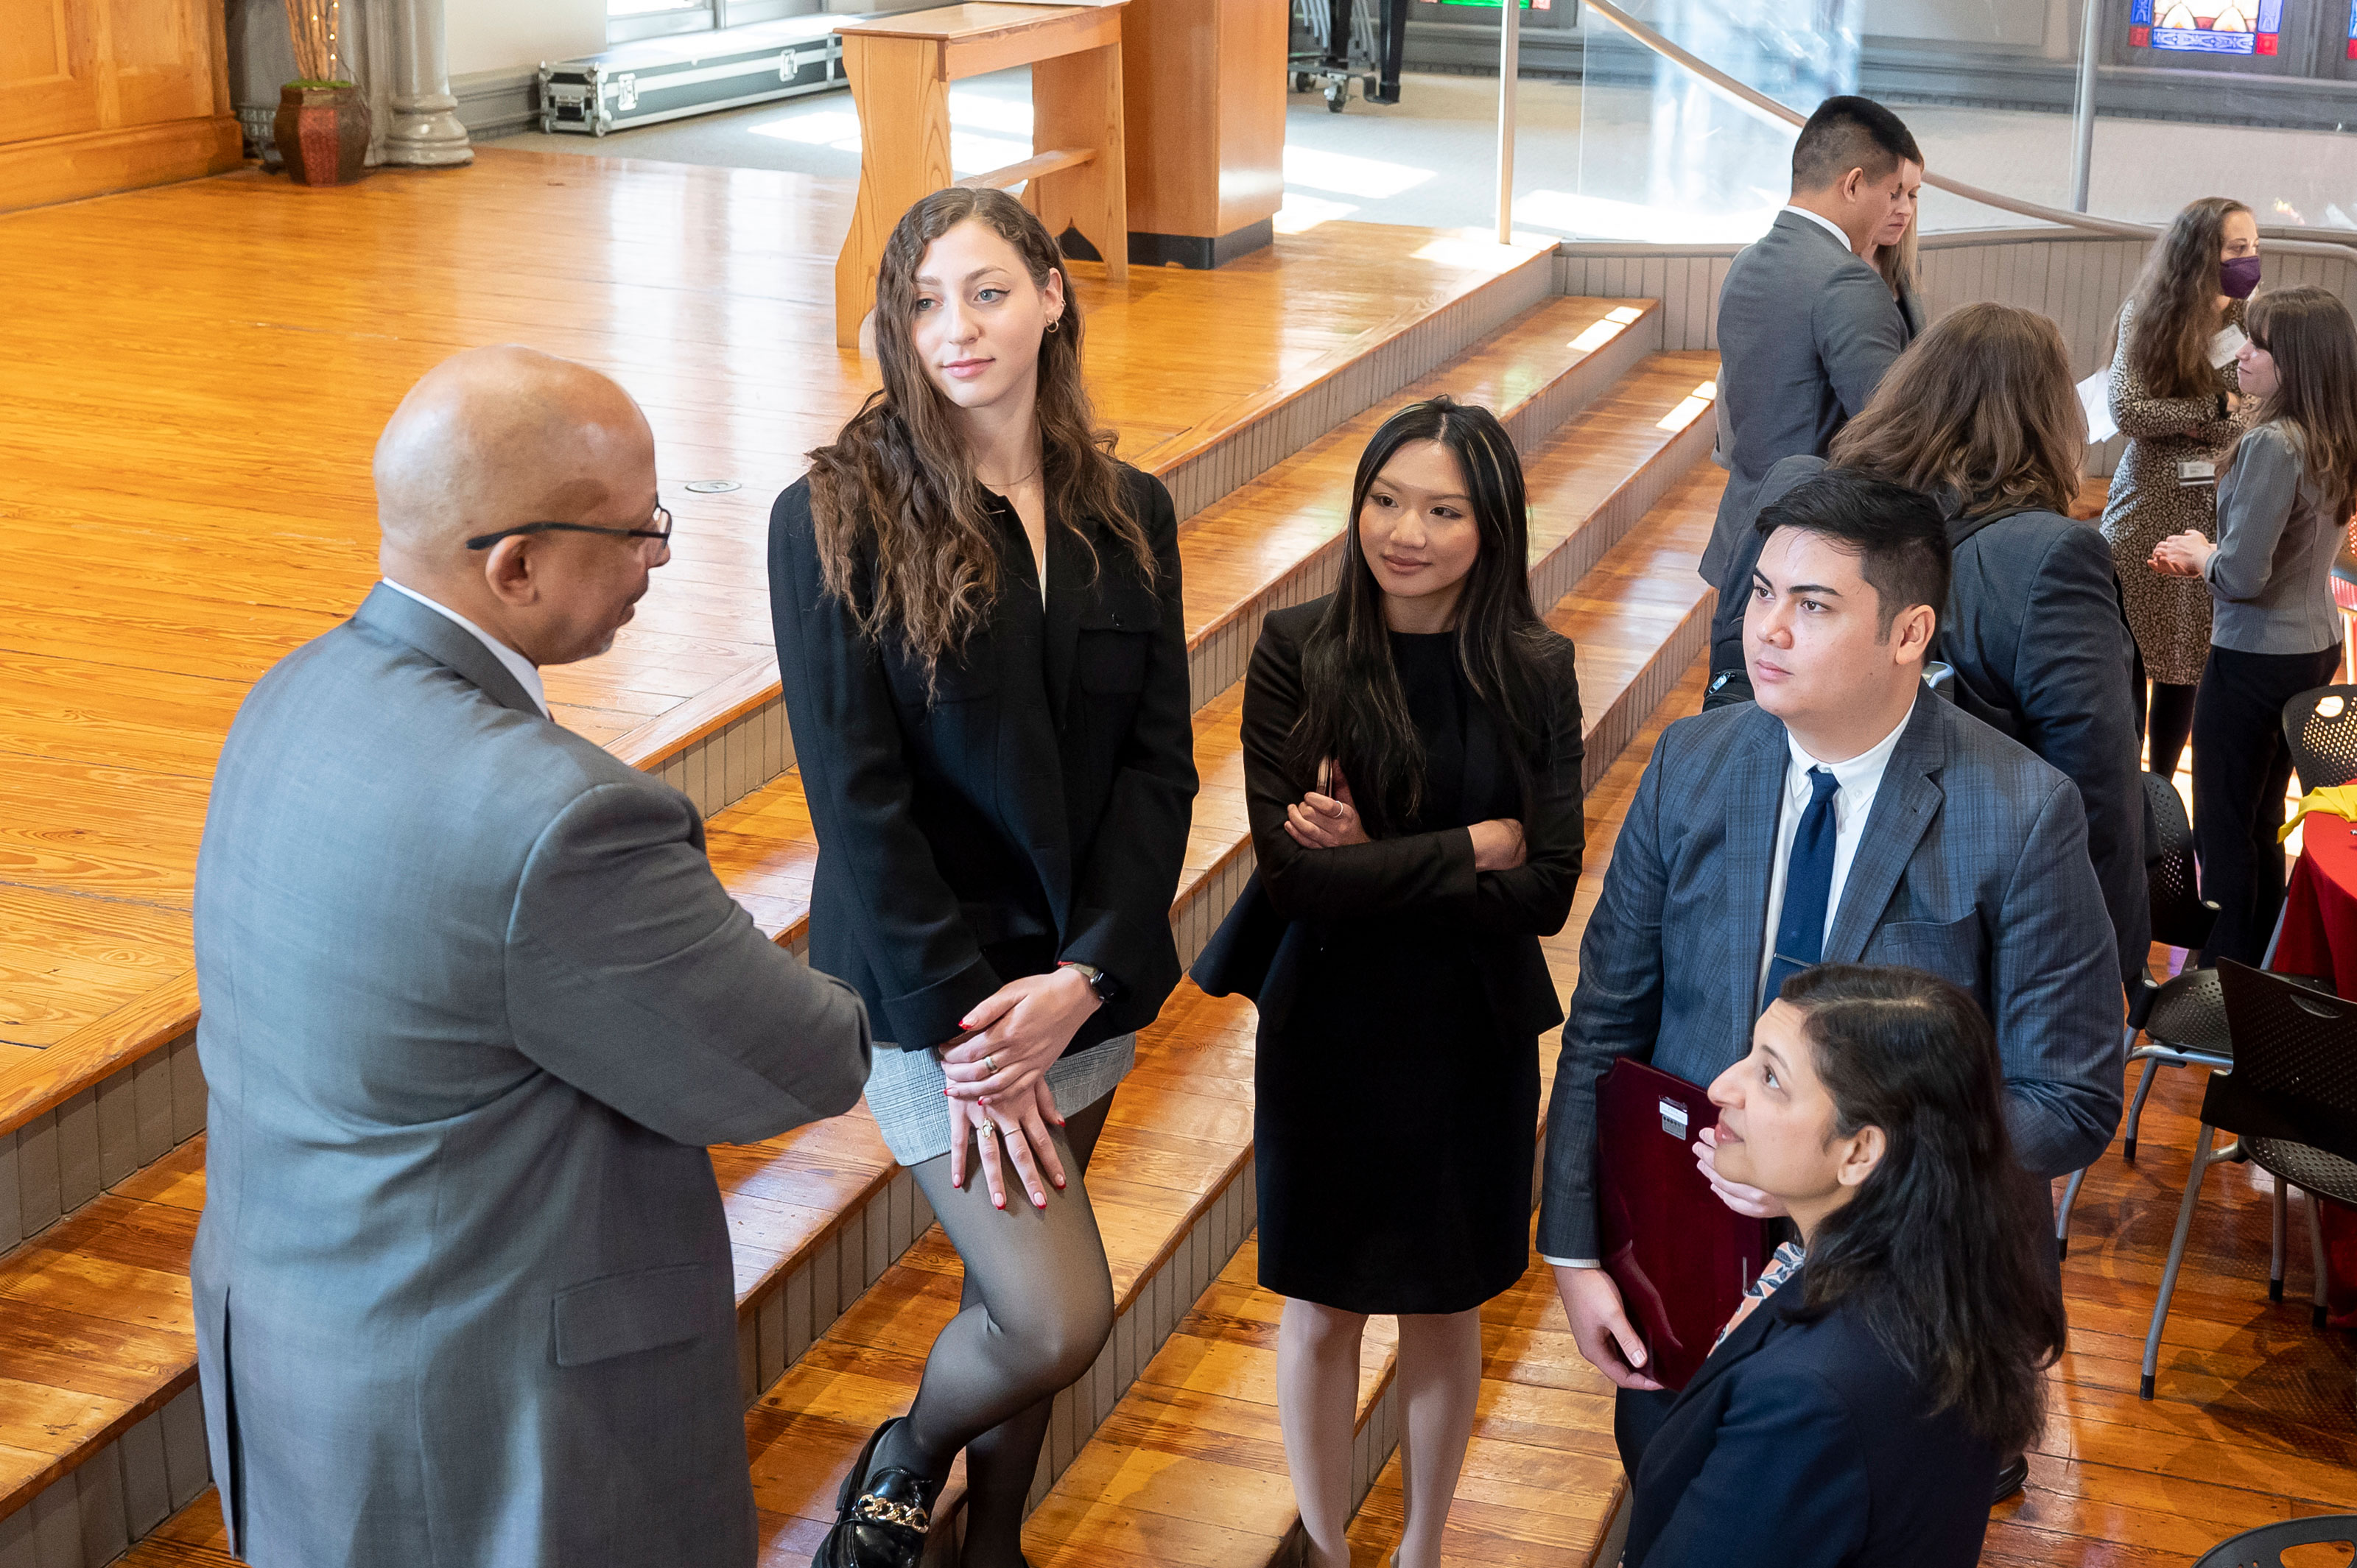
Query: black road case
x: 690, y: 73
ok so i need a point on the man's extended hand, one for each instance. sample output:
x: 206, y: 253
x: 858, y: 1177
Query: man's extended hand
x: 1600, y: 1327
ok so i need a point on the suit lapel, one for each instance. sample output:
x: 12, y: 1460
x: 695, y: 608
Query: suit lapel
x: 1067, y: 581
x: 1904, y: 806
x: 396, y: 615
x: 1754, y: 797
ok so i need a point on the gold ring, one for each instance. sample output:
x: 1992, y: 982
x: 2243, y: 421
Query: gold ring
x: 990, y: 1065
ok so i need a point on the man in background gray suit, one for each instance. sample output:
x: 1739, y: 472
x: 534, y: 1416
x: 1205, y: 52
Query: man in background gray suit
x: 474, y: 1003
x: 1847, y: 816
x: 1806, y: 328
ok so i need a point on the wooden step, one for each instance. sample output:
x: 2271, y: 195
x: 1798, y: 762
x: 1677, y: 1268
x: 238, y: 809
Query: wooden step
x: 819, y: 1217
x: 1542, y: 1478
x: 101, y: 817
x: 1277, y: 541
x: 1190, y: 1468
x: 1171, y: 1178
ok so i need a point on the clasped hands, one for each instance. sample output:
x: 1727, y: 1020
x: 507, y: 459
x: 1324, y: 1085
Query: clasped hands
x: 2185, y: 554
x: 1328, y: 820
x: 997, y: 1073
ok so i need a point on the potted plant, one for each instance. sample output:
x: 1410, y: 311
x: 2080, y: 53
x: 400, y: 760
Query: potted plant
x: 322, y: 126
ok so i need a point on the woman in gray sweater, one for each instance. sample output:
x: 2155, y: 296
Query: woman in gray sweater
x: 2275, y: 632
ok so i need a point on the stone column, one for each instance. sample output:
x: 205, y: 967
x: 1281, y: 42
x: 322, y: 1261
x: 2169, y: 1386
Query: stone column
x: 425, y: 131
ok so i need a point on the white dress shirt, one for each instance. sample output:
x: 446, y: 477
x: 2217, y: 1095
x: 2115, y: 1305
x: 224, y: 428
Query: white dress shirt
x: 1858, y: 779
x: 517, y: 664
x: 1828, y: 224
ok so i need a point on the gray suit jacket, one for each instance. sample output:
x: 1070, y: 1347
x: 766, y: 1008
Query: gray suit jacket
x: 1806, y: 331
x: 474, y: 1002
x: 2034, y: 630
x: 1974, y: 866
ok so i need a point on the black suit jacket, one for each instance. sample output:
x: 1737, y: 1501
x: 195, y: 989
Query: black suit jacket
x: 1807, y: 1446
x: 2034, y: 631
x: 1033, y: 810
x: 1428, y: 871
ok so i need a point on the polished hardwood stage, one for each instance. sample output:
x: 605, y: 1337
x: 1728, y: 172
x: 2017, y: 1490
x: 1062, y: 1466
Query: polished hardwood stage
x: 200, y: 373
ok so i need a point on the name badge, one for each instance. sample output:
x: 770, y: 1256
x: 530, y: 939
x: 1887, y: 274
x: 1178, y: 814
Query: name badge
x: 2225, y: 346
x: 1673, y: 1119
x: 2196, y: 473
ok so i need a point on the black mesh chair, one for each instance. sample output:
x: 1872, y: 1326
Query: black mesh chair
x: 2182, y: 1020
x: 2264, y: 1547
x: 2322, y: 728
x: 2292, y: 1099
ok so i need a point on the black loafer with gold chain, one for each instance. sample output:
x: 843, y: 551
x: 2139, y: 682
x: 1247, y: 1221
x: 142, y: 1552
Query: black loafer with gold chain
x: 880, y: 1519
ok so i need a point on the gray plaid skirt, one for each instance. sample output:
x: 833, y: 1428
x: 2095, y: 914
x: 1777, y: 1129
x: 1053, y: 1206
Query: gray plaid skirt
x: 904, y: 1093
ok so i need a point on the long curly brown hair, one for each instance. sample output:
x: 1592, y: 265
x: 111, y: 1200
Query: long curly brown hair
x: 898, y: 510
x: 2176, y: 301
x: 1982, y: 407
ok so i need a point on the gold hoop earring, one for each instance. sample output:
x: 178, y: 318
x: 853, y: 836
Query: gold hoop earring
x: 1057, y: 325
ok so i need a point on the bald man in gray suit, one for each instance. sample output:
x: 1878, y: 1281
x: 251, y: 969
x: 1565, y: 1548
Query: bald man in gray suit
x: 474, y: 1003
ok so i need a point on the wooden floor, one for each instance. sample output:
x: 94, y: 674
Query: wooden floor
x: 199, y: 375
x: 2255, y: 1419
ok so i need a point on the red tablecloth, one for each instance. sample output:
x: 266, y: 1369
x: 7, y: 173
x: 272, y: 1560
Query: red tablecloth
x: 2319, y: 938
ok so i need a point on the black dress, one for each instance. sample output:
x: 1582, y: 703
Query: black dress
x: 1397, y: 1074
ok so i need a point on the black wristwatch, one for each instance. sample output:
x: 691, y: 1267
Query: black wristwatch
x: 1105, y: 986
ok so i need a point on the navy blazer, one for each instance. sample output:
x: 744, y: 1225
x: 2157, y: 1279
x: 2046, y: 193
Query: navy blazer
x: 1806, y: 1444
x: 1973, y: 866
x: 1033, y: 808
x: 2034, y: 630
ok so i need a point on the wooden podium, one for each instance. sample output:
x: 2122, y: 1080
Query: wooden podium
x: 1203, y: 88
x: 900, y: 67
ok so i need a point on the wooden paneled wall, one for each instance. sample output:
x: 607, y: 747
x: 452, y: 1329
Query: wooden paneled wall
x: 100, y: 95
x: 2079, y: 280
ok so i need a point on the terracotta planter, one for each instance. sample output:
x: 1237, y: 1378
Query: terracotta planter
x: 322, y: 134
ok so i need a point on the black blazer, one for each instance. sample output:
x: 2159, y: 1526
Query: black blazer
x: 1429, y: 871
x: 1035, y: 809
x: 2034, y: 630
x: 1806, y: 1446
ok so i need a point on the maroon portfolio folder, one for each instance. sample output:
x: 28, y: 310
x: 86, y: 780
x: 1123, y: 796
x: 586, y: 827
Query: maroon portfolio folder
x: 1681, y: 1257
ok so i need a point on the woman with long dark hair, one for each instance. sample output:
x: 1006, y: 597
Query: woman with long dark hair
x: 2283, y: 512
x: 1853, y: 1412
x: 1412, y: 763
x: 2175, y: 397
x: 985, y: 663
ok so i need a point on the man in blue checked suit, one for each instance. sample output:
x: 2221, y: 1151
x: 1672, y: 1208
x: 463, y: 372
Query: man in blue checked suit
x: 1849, y: 816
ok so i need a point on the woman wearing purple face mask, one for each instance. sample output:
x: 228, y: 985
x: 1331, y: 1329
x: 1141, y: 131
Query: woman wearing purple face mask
x: 2175, y: 396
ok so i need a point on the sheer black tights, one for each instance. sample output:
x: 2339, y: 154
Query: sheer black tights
x: 1037, y: 1309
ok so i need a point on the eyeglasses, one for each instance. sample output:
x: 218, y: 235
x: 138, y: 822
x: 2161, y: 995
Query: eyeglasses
x: 662, y: 534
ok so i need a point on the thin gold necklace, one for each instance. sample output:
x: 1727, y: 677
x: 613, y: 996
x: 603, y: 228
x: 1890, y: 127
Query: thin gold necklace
x: 1010, y: 484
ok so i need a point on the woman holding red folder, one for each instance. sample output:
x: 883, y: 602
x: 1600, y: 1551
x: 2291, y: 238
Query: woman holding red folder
x: 1412, y: 757
x: 1853, y: 1412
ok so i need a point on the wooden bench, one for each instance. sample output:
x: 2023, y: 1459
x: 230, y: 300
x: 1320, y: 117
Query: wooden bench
x: 900, y: 67
x: 1172, y: 1174
x: 818, y: 1217
x: 1190, y: 1466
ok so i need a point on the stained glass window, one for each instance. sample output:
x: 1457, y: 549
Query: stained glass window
x: 2211, y: 27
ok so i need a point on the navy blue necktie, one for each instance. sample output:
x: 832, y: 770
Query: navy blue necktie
x: 1808, y: 888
